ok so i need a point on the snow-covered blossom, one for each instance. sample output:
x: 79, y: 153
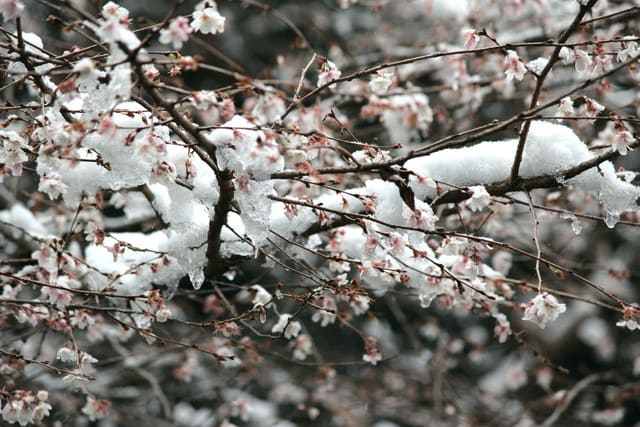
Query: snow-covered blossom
x: 328, y: 72
x: 380, y: 83
x: 421, y: 217
x: 11, y: 8
x: 67, y: 355
x: 96, y: 409
x: 471, y: 38
x: 479, y: 199
x: 514, y: 68
x: 208, y: 21
x: 177, y: 33
x: 78, y: 376
x: 543, y: 308
x: 284, y: 325
x: 565, y: 109
x: 538, y: 64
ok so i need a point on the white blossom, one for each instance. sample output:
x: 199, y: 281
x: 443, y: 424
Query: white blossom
x: 538, y: 64
x: 479, y: 199
x: 543, y: 309
x: 208, y: 21
x: 359, y: 304
x: 380, y: 83
x: 290, y: 328
x: 262, y: 297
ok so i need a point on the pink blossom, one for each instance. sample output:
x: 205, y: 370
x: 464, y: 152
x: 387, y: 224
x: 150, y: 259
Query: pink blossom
x: 471, y: 38
x: 514, y: 68
x: 502, y: 330
x: 177, y: 33
x: 96, y: 409
x: 565, y: 109
x: 328, y: 73
x: 592, y: 108
x: 11, y: 9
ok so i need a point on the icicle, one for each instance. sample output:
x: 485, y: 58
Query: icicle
x: 611, y: 219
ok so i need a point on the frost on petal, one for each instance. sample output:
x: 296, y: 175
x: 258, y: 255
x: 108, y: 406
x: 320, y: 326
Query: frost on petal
x: 543, y: 309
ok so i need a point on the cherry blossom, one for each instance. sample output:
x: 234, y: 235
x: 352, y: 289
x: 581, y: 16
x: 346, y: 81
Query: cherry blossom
x: 234, y: 220
x: 11, y: 9
x: 380, y: 83
x: 480, y: 198
x: 206, y: 21
x: 543, y: 308
x: 328, y: 73
x: 96, y: 409
x: 289, y: 328
x: 471, y: 38
x: 177, y: 33
x: 514, y: 68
